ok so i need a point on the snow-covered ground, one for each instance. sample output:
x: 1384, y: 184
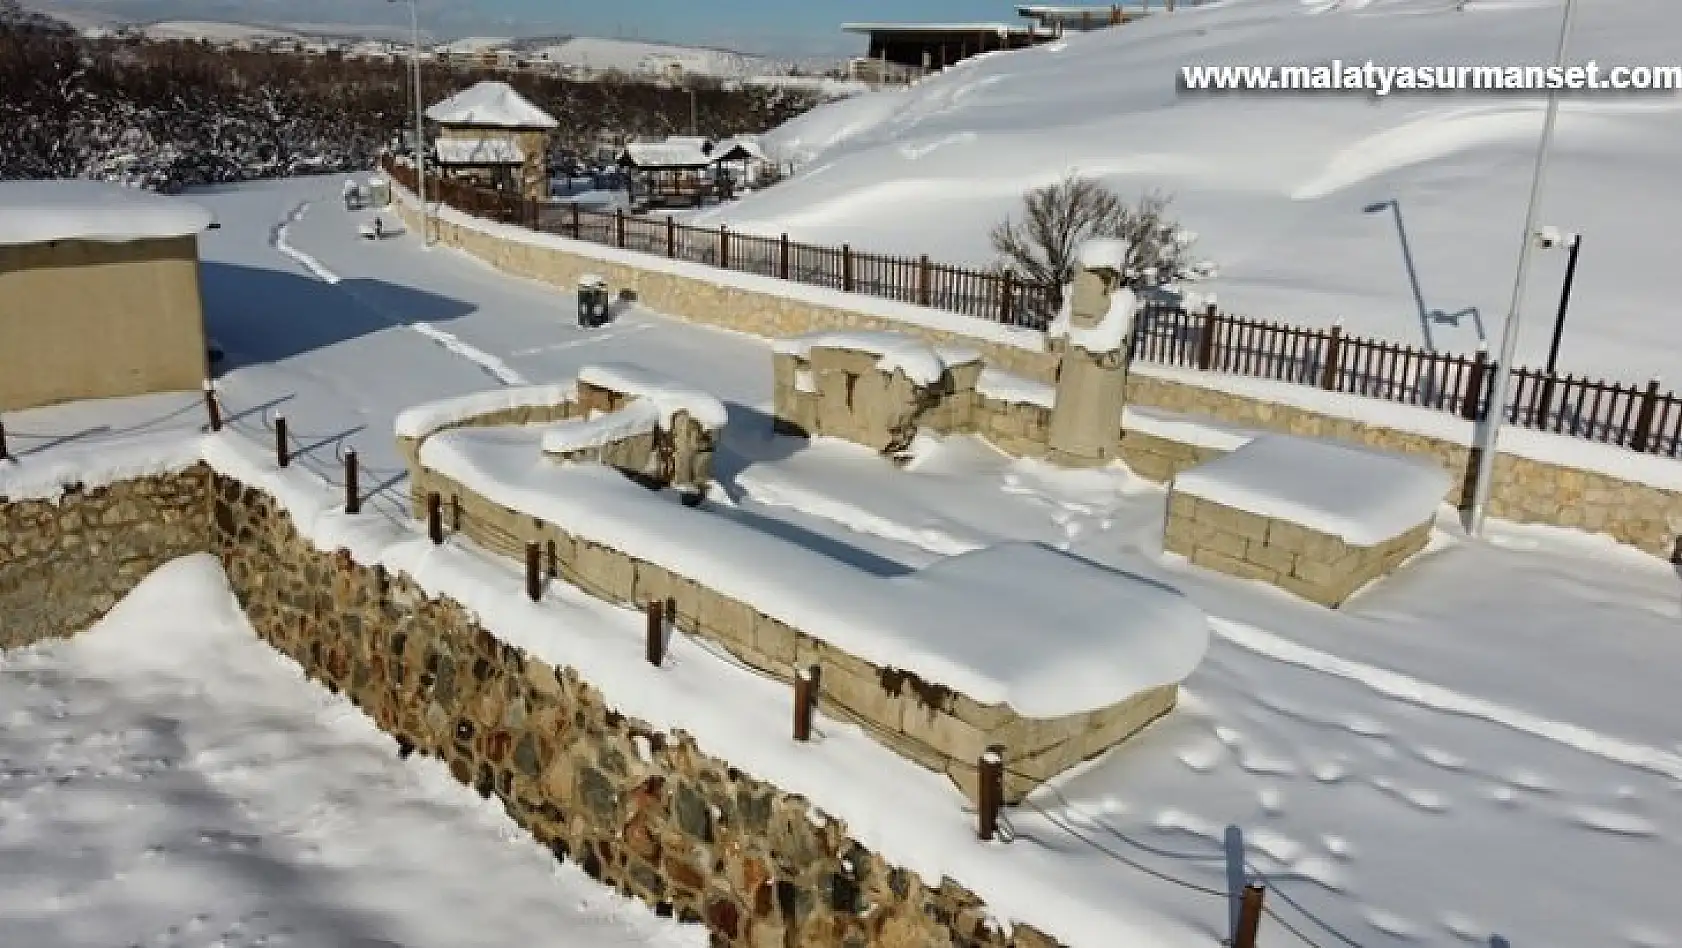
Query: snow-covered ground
x: 631, y: 56
x: 170, y: 781
x: 1478, y: 751
x: 1400, y: 215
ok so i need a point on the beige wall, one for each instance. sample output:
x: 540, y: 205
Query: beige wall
x: 85, y: 319
x: 1525, y: 491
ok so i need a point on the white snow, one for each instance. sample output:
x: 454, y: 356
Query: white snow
x: 491, y: 105
x: 1001, y: 386
x: 667, y: 394
x: 920, y: 361
x: 1186, y: 429
x: 601, y: 54
x: 666, y: 154
x: 1276, y: 183
x: 1112, y: 332
x: 1074, y: 638
x: 95, y: 463
x: 37, y: 212
x: 1103, y: 253
x: 419, y: 421
x: 478, y: 151
x: 637, y: 417
x: 170, y: 780
x: 1365, y: 497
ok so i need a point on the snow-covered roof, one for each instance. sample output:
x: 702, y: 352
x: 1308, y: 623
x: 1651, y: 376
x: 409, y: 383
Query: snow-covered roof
x: 479, y: 151
x: 33, y: 212
x: 664, y: 155
x: 492, y: 105
x: 739, y: 149
x: 1002, y: 29
x: 1359, y: 494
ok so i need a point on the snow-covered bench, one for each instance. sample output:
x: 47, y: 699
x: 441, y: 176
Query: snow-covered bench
x: 380, y: 228
x: 1318, y: 518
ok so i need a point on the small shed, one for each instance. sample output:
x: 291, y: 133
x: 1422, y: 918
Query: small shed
x: 491, y: 132
x: 746, y: 161
x: 99, y: 293
x: 669, y: 173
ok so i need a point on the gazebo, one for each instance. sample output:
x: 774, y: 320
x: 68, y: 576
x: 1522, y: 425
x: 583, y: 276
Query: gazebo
x: 744, y: 155
x: 491, y: 132
x: 671, y: 172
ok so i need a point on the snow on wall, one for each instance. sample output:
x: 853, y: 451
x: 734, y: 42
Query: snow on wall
x: 1001, y: 386
x: 420, y: 421
x: 1076, y: 638
x: 668, y: 396
x: 1364, y: 497
x: 1103, y: 253
x: 96, y: 464
x: 36, y: 212
x: 921, y: 362
x: 639, y: 417
x: 1109, y: 335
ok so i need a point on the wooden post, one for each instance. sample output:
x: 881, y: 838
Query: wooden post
x: 5, y: 453
x: 847, y: 267
x: 1206, y: 343
x: 577, y: 224
x: 282, y: 455
x: 656, y: 644
x: 924, y: 291
x: 534, y: 571
x: 353, y: 489
x: 782, y: 258
x: 805, y: 699
x: 619, y: 228
x: 435, y: 518
x: 723, y: 247
x: 210, y: 407
x: 1334, y: 357
x: 1249, y: 917
x: 990, y: 793
x: 1007, y: 289
x: 1643, y: 436
x: 671, y: 237
x: 1471, y: 400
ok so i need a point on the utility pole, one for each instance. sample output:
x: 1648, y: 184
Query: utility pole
x: 420, y: 127
x: 1490, y: 431
x: 1564, y: 303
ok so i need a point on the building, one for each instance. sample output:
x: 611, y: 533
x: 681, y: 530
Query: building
x: 493, y: 134
x: 1079, y: 19
x: 938, y: 45
x: 99, y: 293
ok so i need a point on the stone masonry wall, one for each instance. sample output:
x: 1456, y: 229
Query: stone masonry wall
x: 1525, y: 491
x: 1316, y: 566
x: 646, y: 812
x: 925, y: 722
x: 64, y: 565
x: 702, y: 301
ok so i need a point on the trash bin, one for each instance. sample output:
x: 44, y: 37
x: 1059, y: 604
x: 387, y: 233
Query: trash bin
x: 592, y: 300
x: 377, y: 193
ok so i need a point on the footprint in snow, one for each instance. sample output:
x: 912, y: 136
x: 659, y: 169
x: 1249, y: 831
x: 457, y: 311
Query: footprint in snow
x: 1365, y: 727
x: 1272, y: 801
x: 1202, y: 758
x: 1442, y: 758
x: 1264, y: 766
x: 1613, y: 822
x: 1393, y: 925
x: 1329, y: 771
x: 1465, y: 929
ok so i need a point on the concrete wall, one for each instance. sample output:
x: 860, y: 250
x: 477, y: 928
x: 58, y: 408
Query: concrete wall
x: 922, y: 721
x: 1525, y: 491
x: 1316, y: 566
x: 702, y: 301
x: 64, y: 564
x: 85, y: 319
x: 685, y: 832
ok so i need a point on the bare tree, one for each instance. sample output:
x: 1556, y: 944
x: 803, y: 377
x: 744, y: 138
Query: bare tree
x: 1058, y: 218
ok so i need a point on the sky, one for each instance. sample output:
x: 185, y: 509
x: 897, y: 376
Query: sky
x: 787, y: 28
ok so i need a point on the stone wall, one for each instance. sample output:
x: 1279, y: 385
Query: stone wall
x: 699, y: 300
x: 1525, y: 491
x: 646, y: 812
x: 64, y: 564
x: 925, y: 722
x: 1318, y: 567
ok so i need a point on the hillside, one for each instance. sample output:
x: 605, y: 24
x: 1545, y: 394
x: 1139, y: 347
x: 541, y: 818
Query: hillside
x: 632, y: 57
x: 1277, y: 185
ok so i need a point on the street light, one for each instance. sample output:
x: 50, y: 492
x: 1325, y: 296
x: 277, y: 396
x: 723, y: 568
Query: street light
x: 420, y: 131
x: 1552, y: 239
x: 1490, y: 432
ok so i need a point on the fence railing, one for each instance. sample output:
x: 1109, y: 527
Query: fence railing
x: 1638, y: 417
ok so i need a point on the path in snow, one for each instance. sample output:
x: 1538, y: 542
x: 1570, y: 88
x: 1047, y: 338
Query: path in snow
x: 169, y: 781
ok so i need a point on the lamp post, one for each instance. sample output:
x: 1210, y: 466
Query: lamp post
x: 1564, y: 302
x: 1490, y: 431
x: 420, y: 128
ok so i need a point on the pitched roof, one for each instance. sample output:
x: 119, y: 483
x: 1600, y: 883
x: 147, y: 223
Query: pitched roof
x: 479, y: 151
x: 491, y: 105
x: 664, y: 155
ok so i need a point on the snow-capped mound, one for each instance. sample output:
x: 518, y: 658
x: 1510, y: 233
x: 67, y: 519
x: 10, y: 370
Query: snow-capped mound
x: 1400, y: 214
x: 595, y: 53
x: 212, y: 31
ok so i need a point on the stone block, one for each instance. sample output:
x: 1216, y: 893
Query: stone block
x: 776, y: 641
x: 1242, y: 523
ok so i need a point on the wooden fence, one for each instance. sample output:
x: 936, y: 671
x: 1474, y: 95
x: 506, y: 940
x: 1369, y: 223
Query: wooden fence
x: 1638, y: 417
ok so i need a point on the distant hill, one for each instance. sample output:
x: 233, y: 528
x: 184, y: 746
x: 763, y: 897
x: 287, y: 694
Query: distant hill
x: 634, y: 56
